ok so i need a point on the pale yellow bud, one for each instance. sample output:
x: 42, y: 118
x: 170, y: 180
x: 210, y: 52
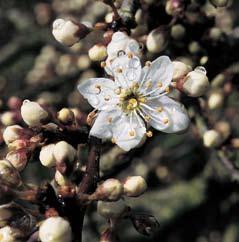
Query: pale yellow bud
x: 46, y: 155
x: 97, y: 53
x: 156, y: 41
x: 60, y: 179
x: 55, y: 229
x: 32, y: 113
x: 64, y: 152
x: 65, y: 115
x: 135, y: 186
x: 180, y: 70
x: 211, y: 138
x: 111, y: 209
x: 178, y: 31
x: 12, y: 133
x: 8, y: 118
x: 224, y: 129
x: 215, y: 100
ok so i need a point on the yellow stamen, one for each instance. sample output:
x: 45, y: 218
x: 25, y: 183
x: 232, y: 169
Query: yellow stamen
x: 148, y: 84
x: 167, y: 89
x: 130, y: 55
x: 149, y: 134
x: 110, y: 120
x: 160, y: 84
x: 166, y: 121
x: 107, y: 98
x: 147, y: 118
x: 119, y: 70
x: 117, y: 91
x: 131, y: 133
x: 148, y: 63
x: 103, y: 64
x: 132, y: 104
x: 159, y: 109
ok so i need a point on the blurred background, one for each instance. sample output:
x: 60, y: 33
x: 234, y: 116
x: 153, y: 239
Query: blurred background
x: 194, y: 196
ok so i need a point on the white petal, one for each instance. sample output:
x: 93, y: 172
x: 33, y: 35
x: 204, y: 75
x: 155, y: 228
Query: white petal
x: 100, y: 93
x: 126, y: 70
x: 159, y: 75
x: 133, y: 47
x: 172, y: 118
x: 128, y: 131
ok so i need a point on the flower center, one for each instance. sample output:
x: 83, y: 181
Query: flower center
x: 132, y: 104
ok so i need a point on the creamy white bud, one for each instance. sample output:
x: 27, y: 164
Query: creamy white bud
x: 46, y: 156
x: 60, y: 179
x: 180, y: 70
x: 224, y: 129
x: 55, y: 229
x: 65, y: 115
x: 215, y: 100
x: 97, y: 53
x: 196, y: 83
x: 12, y: 133
x: 111, y: 189
x: 178, y: 31
x: 135, y: 186
x: 65, y: 31
x: 9, y: 234
x: 8, y: 118
x: 111, y: 209
x: 211, y: 138
x: 64, y: 152
x: 156, y: 41
x: 32, y: 113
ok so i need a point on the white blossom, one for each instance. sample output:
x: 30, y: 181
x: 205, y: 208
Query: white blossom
x: 136, y: 99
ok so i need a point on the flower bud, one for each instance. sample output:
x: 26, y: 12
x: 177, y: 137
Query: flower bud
x: 14, y: 103
x: 135, y: 186
x: 97, y: 53
x: 111, y: 209
x: 12, y: 133
x: 55, y: 229
x: 68, y: 32
x: 211, y: 138
x: 66, y: 116
x: 215, y: 100
x: 18, y: 158
x: 32, y: 113
x: 64, y: 152
x: 194, y: 47
x: 10, y: 234
x: 47, y: 157
x: 224, y: 129
x: 219, y: 3
x: 195, y: 83
x: 156, y: 41
x: 9, y: 118
x: 8, y: 174
x: 60, y: 179
x: 178, y: 31
x: 110, y: 189
x: 180, y: 70
x: 173, y: 6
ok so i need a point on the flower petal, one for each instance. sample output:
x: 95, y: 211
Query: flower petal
x: 126, y: 70
x: 158, y: 75
x: 100, y: 93
x: 128, y: 131
x: 167, y: 115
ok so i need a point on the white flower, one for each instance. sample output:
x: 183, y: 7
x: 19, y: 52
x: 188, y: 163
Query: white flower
x: 137, y: 97
x: 120, y: 43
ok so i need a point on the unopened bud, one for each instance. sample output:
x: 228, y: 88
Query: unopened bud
x: 10, y: 234
x: 178, y: 31
x: 14, y: 103
x: 156, y: 41
x: 111, y: 209
x: 173, y: 6
x: 55, y: 229
x: 135, y: 186
x: 224, y: 129
x: 32, y: 113
x: 211, y: 138
x: 194, y: 47
x: 9, y: 174
x: 195, y: 83
x: 111, y: 190
x: 219, y: 3
x: 60, y: 179
x: 180, y: 70
x: 68, y: 32
x: 12, y: 133
x: 97, y: 53
x: 66, y: 116
x: 18, y: 158
x: 9, y: 118
x: 64, y: 152
x: 215, y: 100
x: 47, y: 157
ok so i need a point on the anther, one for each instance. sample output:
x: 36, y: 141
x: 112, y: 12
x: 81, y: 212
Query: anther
x: 147, y: 118
x: 103, y: 64
x: 165, y: 121
x: 148, y: 63
x: 117, y: 91
x: 149, y: 134
x: 160, y: 84
x: 132, y: 133
x: 110, y: 120
x: 130, y: 55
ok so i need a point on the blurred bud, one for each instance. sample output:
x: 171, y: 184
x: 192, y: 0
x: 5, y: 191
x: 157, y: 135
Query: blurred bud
x: 180, y: 70
x: 14, y: 103
x: 66, y: 116
x: 215, y: 99
x: 203, y: 60
x: 9, y: 174
x: 178, y: 31
x: 9, y: 118
x: 111, y: 190
x: 64, y: 152
x: 194, y: 47
x: 43, y: 13
x: 97, y: 53
x: 60, y: 179
x: 156, y: 40
x: 218, y: 80
x: 211, y: 138
x: 195, y: 84
x: 108, y: 236
x: 219, y: 3
x: 224, y: 129
x: 215, y: 33
x: 174, y: 7
x: 83, y: 62
x: 109, y: 17
x: 134, y: 186
x: 111, y: 209
x: 55, y: 229
x: 12, y: 133
x: 47, y: 157
x: 32, y: 113
x: 18, y: 158
x: 68, y: 32
x: 10, y: 234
